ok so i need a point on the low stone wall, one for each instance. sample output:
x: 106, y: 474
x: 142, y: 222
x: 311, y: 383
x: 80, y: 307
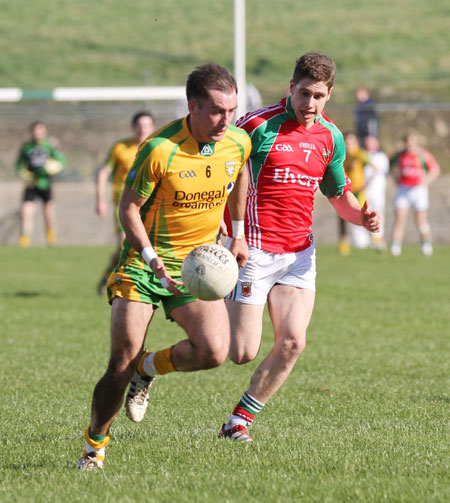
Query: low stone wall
x: 77, y: 223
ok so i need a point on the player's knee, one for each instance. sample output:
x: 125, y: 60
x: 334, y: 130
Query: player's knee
x: 211, y: 357
x: 241, y: 356
x: 293, y: 346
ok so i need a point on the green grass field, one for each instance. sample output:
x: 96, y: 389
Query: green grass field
x: 400, y: 48
x: 364, y: 417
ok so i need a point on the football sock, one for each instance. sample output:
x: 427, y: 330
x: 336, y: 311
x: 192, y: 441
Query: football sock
x: 51, y: 236
x: 245, y: 411
x: 145, y: 366
x: 24, y: 241
x: 157, y: 363
x: 96, y: 443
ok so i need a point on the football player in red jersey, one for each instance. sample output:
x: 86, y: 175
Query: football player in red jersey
x: 416, y: 169
x: 295, y: 150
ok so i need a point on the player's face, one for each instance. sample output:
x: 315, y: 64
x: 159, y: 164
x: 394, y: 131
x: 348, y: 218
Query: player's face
x: 372, y: 144
x: 39, y: 132
x: 209, y: 119
x: 308, y: 99
x: 351, y: 142
x: 411, y: 142
x: 143, y: 128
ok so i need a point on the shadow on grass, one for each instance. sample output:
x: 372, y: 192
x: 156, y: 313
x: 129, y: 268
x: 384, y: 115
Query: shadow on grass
x: 28, y: 294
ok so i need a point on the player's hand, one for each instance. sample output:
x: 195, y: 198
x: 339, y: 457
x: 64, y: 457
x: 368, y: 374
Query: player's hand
x: 101, y: 209
x: 157, y: 266
x: 223, y: 231
x: 371, y: 219
x: 26, y: 175
x: 239, y: 248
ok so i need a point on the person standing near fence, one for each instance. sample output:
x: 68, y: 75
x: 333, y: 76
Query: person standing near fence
x: 376, y: 173
x: 366, y: 116
x: 38, y: 161
x: 355, y: 160
x: 414, y: 169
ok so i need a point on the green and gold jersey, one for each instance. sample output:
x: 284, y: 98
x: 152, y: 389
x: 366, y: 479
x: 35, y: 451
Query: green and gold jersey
x: 121, y: 157
x: 187, y: 185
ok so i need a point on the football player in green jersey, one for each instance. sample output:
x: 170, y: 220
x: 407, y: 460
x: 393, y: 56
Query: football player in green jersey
x: 38, y: 161
x: 173, y: 201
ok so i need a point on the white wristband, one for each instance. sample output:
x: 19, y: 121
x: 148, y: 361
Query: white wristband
x: 238, y: 229
x: 148, y: 254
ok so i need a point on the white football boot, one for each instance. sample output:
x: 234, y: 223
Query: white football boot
x: 136, y: 402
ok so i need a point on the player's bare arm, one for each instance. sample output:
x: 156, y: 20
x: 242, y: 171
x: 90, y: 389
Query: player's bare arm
x: 100, y: 189
x: 237, y: 203
x: 130, y: 218
x: 431, y: 176
x: 348, y: 208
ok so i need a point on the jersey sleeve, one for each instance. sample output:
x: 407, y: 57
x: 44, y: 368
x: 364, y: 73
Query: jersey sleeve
x: 147, y: 169
x: 21, y: 160
x: 430, y: 162
x: 110, y: 158
x: 334, y: 181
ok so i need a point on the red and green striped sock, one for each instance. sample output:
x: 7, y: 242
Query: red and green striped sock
x: 245, y: 411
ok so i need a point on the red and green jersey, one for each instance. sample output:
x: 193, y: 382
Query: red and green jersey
x: 412, y: 166
x: 186, y: 185
x: 286, y: 166
x: 32, y: 158
x: 121, y: 157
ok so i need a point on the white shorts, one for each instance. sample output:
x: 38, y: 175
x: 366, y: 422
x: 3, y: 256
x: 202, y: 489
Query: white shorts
x: 412, y: 197
x: 265, y: 269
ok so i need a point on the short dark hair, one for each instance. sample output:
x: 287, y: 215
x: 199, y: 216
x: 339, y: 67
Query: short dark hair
x: 37, y: 123
x: 315, y: 66
x: 138, y: 115
x: 207, y: 77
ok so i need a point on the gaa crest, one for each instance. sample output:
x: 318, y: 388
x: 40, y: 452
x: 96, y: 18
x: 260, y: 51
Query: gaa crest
x: 326, y: 154
x: 207, y: 150
x: 246, y: 288
x: 229, y: 168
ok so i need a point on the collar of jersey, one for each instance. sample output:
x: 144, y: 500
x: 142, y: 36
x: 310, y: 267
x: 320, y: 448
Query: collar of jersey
x: 205, y: 149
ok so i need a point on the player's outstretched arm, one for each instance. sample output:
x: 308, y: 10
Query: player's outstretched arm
x: 348, y: 208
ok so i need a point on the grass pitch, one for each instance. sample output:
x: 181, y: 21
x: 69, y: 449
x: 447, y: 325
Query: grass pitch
x: 398, y: 48
x: 362, y: 418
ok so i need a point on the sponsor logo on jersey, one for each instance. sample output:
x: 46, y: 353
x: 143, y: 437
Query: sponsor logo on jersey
x: 284, y: 175
x: 326, y: 154
x: 283, y: 147
x: 230, y: 166
x: 132, y: 174
x: 207, y: 150
x: 199, y: 200
x: 230, y: 187
x: 189, y: 173
x: 309, y: 146
x: 246, y: 288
